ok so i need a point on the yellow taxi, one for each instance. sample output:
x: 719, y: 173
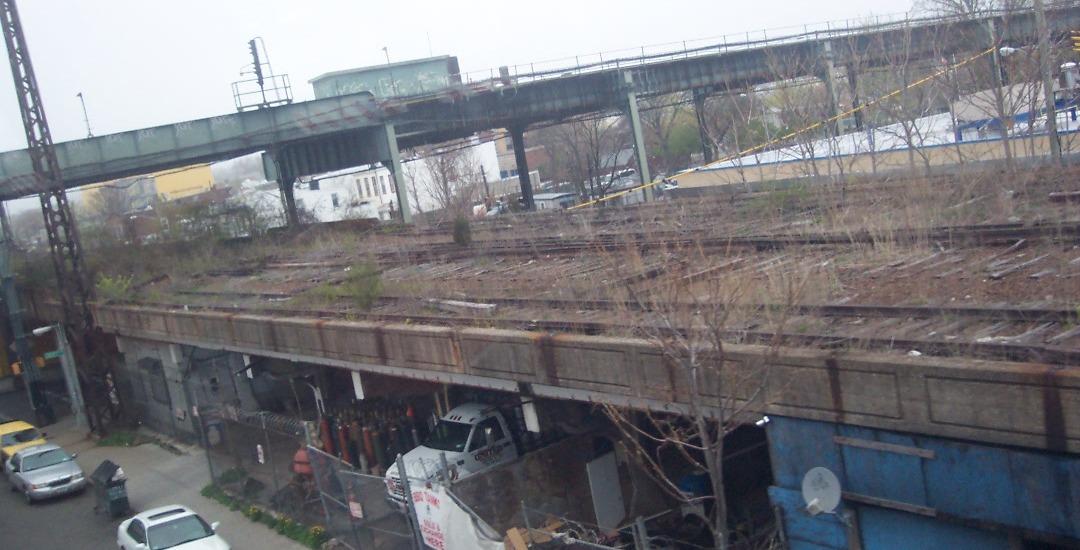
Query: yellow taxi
x: 17, y: 434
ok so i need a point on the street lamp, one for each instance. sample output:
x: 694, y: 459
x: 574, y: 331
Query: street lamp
x: 67, y: 363
x: 393, y: 83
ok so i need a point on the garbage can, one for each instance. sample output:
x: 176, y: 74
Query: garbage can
x: 110, y: 488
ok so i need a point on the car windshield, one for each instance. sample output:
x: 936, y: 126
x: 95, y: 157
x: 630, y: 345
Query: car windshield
x: 177, y: 532
x: 45, y: 459
x: 449, y: 436
x: 21, y: 436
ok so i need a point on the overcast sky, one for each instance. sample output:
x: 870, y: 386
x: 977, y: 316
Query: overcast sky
x: 141, y: 63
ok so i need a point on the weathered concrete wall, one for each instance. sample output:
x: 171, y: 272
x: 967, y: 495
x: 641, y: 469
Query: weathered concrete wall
x: 1019, y: 404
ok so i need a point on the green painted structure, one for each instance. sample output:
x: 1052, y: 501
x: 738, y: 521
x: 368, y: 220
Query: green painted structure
x: 406, y: 78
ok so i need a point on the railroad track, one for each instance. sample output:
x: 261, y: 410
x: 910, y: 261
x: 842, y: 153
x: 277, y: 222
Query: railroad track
x: 994, y: 333
x: 645, y: 240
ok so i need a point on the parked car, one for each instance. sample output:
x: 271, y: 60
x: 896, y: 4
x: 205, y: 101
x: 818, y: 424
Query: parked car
x: 44, y: 471
x: 175, y: 526
x: 16, y: 435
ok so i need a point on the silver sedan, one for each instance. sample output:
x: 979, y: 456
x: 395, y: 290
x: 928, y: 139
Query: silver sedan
x: 44, y: 471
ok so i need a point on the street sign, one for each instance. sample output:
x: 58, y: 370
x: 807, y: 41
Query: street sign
x: 52, y: 354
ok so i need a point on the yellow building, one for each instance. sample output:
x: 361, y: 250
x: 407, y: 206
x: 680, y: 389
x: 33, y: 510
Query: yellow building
x: 183, y: 182
x: 138, y: 192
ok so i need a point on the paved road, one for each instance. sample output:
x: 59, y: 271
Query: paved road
x: 156, y: 477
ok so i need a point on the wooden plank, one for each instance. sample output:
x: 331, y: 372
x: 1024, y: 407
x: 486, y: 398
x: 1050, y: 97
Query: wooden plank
x: 885, y: 447
x: 893, y: 504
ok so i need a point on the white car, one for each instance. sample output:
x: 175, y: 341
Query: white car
x: 175, y: 526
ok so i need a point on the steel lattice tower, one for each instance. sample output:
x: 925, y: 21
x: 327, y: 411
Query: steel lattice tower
x: 74, y: 289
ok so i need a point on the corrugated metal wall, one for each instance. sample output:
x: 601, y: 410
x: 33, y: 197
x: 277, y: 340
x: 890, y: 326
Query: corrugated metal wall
x: 953, y: 494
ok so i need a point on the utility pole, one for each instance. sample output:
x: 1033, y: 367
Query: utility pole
x: 27, y: 361
x: 393, y: 83
x: 86, y: 119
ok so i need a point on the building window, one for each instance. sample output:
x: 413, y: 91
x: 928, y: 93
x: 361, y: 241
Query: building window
x: 334, y: 199
x: 382, y: 182
x: 367, y: 187
x: 314, y: 185
x: 393, y: 187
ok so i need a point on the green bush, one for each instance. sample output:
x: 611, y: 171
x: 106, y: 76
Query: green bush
x: 462, y: 231
x: 114, y: 289
x: 312, y: 537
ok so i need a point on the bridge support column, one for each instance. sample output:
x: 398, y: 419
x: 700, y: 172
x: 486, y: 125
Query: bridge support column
x: 517, y: 135
x: 708, y: 148
x: 397, y: 175
x: 856, y: 101
x: 639, y: 137
x: 828, y: 77
x: 275, y: 167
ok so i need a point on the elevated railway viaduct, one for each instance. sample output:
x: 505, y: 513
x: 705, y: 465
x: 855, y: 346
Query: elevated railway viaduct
x: 340, y: 132
x: 983, y: 454
x: 930, y: 452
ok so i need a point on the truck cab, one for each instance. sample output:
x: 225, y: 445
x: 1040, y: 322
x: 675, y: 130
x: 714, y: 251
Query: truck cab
x: 473, y: 437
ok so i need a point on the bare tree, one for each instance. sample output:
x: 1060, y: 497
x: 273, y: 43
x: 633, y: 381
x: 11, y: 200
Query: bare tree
x: 661, y: 118
x: 582, y: 145
x: 697, y: 309
x: 28, y: 228
x: 968, y: 7
x: 450, y: 175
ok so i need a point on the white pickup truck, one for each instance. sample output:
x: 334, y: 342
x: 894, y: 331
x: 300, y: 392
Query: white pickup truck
x: 473, y: 437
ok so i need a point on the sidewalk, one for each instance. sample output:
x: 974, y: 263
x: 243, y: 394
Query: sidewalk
x: 157, y: 477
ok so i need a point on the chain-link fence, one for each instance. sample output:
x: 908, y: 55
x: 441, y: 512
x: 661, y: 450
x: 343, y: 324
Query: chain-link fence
x: 252, y: 455
x: 357, y: 510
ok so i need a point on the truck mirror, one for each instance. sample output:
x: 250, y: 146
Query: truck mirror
x: 487, y: 436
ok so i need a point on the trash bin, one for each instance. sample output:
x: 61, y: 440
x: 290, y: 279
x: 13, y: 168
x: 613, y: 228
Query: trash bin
x: 110, y: 489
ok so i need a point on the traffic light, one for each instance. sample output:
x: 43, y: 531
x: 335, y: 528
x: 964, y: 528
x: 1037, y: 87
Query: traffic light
x: 1075, y: 35
x: 255, y: 59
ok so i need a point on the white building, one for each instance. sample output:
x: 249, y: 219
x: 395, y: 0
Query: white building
x: 366, y: 191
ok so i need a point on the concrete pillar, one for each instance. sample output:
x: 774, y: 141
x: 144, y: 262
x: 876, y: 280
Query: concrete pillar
x: 274, y: 166
x: 174, y: 367
x: 708, y: 148
x: 639, y: 137
x: 397, y: 175
x: 828, y: 77
x: 517, y: 135
x: 856, y: 102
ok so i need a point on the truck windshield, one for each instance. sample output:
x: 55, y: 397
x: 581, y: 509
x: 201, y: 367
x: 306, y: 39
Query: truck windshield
x: 449, y: 436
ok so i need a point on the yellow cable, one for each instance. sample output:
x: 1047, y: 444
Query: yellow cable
x: 790, y: 135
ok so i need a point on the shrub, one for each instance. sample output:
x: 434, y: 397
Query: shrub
x: 113, y: 289
x: 316, y: 536
x: 462, y: 231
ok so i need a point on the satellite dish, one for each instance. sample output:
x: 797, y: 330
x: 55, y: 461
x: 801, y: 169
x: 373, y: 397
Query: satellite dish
x: 820, y: 491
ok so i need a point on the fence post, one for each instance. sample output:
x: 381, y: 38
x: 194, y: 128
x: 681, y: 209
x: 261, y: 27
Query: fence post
x: 268, y: 454
x: 641, y: 535
x: 409, y: 504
